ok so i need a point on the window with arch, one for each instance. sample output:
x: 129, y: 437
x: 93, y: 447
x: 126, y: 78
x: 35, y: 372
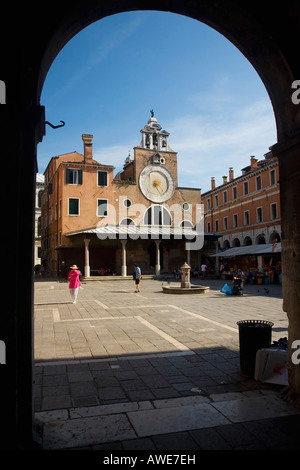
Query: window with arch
x: 236, y: 242
x: 157, y: 215
x: 127, y: 221
x: 186, y: 223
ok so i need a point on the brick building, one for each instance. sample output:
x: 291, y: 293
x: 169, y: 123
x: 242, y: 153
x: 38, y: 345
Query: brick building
x: 245, y: 210
x: 105, y: 223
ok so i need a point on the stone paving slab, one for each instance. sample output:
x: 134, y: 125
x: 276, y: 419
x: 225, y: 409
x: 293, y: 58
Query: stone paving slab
x: 120, y: 422
x: 254, y: 408
x: 86, y: 431
x: 175, y: 419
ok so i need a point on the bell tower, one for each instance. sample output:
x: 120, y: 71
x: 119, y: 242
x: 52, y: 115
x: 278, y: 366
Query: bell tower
x: 153, y: 137
x: 154, y: 149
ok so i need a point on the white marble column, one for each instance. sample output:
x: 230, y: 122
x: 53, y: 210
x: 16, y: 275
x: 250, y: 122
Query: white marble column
x: 124, y: 267
x: 87, y: 257
x: 150, y: 141
x: 157, y: 266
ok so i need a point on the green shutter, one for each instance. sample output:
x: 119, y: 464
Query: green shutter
x: 68, y: 173
x: 102, y: 178
x: 73, y: 206
x: 79, y: 176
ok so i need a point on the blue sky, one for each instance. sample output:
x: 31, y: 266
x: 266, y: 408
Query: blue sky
x: 203, y: 91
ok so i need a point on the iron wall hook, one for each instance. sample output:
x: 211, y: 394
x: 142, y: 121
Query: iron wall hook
x: 55, y: 127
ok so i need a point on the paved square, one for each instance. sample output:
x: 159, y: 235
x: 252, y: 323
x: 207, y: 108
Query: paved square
x: 118, y: 367
x: 111, y: 321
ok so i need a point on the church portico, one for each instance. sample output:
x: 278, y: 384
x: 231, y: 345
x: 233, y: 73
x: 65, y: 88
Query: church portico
x: 112, y: 251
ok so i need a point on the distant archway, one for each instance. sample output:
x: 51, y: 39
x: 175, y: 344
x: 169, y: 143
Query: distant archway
x: 260, y: 239
x: 247, y: 241
x: 226, y: 245
x: 236, y: 242
x: 274, y: 237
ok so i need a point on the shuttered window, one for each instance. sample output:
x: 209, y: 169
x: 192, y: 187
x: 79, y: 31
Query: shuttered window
x: 102, y: 207
x: 73, y: 176
x: 73, y: 206
x: 102, y: 178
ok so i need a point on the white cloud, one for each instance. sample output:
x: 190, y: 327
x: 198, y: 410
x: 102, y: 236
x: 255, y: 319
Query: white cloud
x: 208, y: 146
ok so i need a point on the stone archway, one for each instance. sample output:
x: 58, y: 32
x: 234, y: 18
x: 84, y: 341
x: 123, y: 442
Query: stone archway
x: 26, y: 59
x: 236, y: 242
x: 247, y: 241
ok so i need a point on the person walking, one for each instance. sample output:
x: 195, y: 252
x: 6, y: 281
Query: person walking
x: 74, y: 282
x: 137, y: 277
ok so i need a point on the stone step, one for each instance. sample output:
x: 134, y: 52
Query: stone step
x: 86, y: 426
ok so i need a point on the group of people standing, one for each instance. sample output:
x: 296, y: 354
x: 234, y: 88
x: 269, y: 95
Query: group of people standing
x: 74, y: 280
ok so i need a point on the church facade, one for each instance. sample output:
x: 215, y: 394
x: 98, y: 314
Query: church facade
x: 106, y: 223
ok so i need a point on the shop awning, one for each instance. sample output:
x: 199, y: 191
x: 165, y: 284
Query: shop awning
x: 266, y: 248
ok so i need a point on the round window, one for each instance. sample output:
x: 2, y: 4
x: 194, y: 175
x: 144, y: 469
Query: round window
x: 127, y: 202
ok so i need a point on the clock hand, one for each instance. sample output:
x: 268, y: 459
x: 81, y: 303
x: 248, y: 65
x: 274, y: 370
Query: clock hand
x: 157, y: 186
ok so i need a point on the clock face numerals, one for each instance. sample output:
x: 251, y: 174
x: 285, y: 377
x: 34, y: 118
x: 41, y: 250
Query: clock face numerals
x: 156, y: 183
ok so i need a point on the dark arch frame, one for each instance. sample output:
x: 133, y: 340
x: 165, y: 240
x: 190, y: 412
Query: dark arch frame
x: 238, y: 23
x: 266, y: 37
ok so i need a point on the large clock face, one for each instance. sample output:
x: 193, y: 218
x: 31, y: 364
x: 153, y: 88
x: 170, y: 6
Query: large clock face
x: 156, y: 183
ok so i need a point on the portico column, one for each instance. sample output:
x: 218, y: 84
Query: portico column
x: 86, y: 257
x: 188, y: 257
x: 288, y: 153
x: 157, y: 266
x: 124, y: 267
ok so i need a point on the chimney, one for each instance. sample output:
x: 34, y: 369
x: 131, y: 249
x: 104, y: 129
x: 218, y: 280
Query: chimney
x: 213, y: 184
x: 253, y: 163
x: 224, y: 179
x: 231, y: 177
x: 87, y: 147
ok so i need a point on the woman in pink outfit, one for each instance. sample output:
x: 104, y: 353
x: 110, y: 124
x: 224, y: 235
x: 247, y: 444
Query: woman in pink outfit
x: 74, y: 282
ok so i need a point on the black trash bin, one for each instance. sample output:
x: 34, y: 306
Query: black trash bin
x: 253, y: 335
